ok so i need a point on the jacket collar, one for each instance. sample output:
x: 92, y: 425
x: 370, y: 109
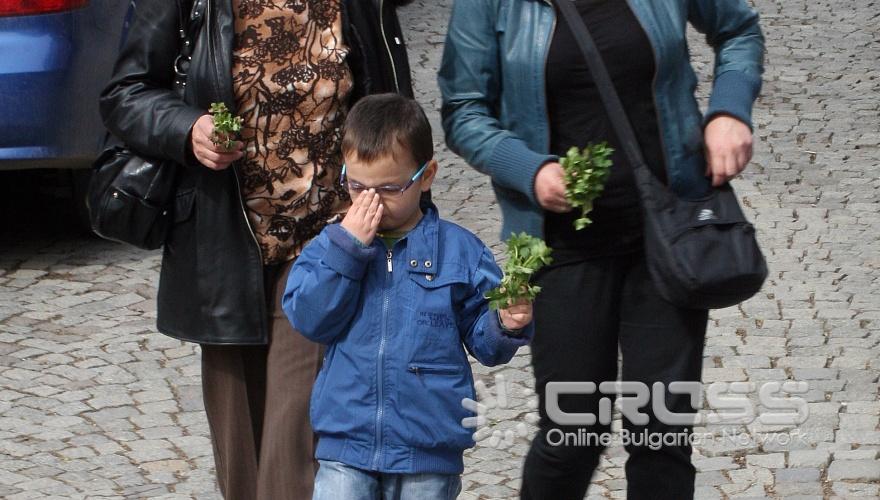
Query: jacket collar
x: 422, y: 242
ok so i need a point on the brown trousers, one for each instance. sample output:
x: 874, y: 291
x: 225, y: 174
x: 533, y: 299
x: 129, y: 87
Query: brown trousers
x: 257, y: 401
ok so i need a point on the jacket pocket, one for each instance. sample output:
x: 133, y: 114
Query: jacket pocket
x: 434, y: 321
x: 430, y: 405
x: 181, y: 242
x: 321, y: 379
x: 183, y: 204
x: 421, y: 368
x: 343, y: 398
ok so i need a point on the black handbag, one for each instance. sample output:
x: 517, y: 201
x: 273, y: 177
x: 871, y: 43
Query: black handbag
x: 131, y: 195
x: 701, y: 254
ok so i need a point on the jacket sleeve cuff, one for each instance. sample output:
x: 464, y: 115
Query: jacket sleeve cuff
x: 181, y: 151
x: 346, y: 254
x: 501, y: 340
x: 733, y: 94
x: 525, y: 332
x: 514, y: 165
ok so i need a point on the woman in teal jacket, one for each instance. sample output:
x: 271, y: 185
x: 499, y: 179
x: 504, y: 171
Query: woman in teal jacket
x: 516, y: 95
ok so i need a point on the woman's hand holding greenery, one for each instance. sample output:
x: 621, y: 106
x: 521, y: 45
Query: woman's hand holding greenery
x: 525, y: 255
x: 585, y: 175
x: 226, y: 126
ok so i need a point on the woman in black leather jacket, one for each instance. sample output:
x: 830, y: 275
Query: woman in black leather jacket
x: 241, y: 215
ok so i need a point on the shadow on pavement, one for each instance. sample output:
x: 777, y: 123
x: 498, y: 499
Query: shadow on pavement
x: 39, y: 205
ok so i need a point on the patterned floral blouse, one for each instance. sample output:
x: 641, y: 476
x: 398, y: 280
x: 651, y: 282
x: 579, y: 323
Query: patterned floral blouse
x: 291, y: 84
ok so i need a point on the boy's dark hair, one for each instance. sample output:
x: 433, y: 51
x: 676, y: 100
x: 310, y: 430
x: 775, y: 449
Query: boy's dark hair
x: 379, y: 121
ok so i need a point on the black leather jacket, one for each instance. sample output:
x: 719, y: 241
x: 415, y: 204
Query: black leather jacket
x: 211, y: 286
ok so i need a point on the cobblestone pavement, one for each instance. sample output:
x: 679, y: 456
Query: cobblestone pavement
x: 94, y: 403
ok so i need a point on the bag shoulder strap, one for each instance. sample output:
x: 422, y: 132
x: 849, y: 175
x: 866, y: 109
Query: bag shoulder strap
x: 191, y: 14
x: 610, y: 99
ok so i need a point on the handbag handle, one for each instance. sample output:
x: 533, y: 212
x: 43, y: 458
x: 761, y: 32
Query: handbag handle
x: 608, y: 94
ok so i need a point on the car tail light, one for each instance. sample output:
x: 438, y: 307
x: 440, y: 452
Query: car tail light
x: 31, y: 7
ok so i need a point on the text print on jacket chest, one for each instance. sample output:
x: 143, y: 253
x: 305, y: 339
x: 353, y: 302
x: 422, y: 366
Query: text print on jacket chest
x: 432, y: 300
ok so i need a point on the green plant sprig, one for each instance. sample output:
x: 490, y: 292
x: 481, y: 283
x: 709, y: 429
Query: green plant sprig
x: 525, y: 255
x: 226, y: 126
x: 585, y: 175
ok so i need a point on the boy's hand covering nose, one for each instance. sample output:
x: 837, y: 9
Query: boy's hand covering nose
x: 362, y: 219
x: 517, y: 315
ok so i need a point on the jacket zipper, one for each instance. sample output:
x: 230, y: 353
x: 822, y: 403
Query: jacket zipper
x: 244, y: 212
x: 380, y: 380
x: 207, y: 19
x: 214, y: 81
x: 385, y: 40
x: 544, y: 69
x: 654, y: 91
x: 234, y: 170
x: 544, y: 81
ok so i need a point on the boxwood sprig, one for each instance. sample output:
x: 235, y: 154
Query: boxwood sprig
x: 226, y: 126
x: 585, y: 175
x: 525, y: 255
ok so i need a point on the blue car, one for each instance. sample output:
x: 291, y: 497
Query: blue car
x: 55, y: 58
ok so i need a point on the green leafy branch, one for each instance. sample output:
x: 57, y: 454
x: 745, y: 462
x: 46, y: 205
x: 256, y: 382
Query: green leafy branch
x: 585, y: 175
x: 226, y: 126
x: 525, y: 255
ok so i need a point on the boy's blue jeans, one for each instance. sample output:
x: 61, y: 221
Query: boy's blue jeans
x: 337, y: 481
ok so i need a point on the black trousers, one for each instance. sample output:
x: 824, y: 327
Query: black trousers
x: 585, y: 311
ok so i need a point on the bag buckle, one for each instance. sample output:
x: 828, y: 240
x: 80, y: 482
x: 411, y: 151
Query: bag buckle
x: 179, y: 69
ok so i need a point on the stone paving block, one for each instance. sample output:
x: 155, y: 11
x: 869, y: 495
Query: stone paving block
x: 862, y: 453
x: 851, y: 490
x: 767, y: 460
x: 706, y: 493
x: 808, y: 458
x: 856, y: 470
x: 717, y: 463
x: 791, y: 489
x: 798, y: 475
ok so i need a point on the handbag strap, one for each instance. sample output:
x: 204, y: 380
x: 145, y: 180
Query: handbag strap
x: 608, y: 94
x: 191, y: 14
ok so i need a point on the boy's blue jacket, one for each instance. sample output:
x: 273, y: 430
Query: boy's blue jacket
x: 388, y: 397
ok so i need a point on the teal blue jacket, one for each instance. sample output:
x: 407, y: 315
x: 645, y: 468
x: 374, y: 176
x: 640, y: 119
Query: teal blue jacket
x: 492, y: 80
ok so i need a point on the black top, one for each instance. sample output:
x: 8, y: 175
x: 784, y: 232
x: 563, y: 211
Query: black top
x: 577, y: 117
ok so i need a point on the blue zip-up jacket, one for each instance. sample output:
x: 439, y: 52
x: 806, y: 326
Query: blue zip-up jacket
x: 397, y: 322
x: 492, y: 80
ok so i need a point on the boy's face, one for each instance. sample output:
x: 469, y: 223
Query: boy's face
x: 401, y: 210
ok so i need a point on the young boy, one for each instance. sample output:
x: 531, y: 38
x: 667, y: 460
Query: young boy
x: 397, y: 313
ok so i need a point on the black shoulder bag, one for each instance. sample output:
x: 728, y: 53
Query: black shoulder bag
x: 701, y: 254
x: 131, y: 196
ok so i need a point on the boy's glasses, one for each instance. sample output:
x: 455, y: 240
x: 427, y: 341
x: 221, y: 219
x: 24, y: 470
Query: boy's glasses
x: 385, y: 190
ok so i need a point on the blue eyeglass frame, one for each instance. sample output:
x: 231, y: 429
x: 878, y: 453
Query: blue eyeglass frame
x: 386, y: 188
